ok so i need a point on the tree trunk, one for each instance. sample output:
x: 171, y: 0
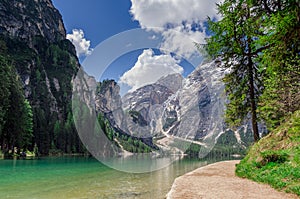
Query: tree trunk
x: 252, y: 100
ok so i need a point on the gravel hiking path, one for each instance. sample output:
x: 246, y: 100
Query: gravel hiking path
x: 218, y: 181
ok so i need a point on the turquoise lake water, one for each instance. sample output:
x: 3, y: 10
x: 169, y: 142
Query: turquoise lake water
x: 83, y: 177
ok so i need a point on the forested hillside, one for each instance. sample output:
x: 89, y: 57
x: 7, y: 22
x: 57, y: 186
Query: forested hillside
x: 37, y: 67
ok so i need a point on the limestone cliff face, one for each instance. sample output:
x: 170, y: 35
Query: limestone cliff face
x: 108, y: 97
x: 26, y: 19
x: 108, y: 102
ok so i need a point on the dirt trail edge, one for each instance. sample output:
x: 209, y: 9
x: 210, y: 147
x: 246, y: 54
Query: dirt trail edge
x: 218, y: 181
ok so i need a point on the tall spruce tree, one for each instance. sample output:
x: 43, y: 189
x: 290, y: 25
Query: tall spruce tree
x: 259, y: 41
x: 234, y: 41
x: 5, y: 71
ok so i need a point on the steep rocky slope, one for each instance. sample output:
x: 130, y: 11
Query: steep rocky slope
x: 26, y: 19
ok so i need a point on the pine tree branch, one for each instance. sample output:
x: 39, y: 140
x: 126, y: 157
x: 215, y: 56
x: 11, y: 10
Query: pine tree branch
x: 259, y: 50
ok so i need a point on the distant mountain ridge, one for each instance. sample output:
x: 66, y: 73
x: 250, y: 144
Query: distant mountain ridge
x: 188, y: 108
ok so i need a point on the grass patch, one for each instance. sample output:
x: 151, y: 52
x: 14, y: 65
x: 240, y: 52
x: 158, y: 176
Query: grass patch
x: 275, y: 159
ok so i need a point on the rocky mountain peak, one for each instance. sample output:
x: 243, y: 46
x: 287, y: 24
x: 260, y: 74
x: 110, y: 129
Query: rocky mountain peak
x: 171, y: 81
x: 26, y: 19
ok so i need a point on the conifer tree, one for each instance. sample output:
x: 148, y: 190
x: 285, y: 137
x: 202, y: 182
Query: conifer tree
x: 258, y: 40
x: 234, y: 42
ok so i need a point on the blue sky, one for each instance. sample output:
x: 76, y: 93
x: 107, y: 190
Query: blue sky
x: 100, y: 19
x: 96, y: 28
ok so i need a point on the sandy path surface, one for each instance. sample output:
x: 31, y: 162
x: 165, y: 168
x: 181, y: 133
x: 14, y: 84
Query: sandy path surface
x: 218, y: 181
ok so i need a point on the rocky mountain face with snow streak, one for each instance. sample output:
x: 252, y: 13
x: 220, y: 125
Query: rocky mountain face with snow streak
x: 174, y: 105
x: 188, y: 109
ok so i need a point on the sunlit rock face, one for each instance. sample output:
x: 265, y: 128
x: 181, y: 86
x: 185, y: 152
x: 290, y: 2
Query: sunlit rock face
x: 191, y: 112
x: 174, y: 105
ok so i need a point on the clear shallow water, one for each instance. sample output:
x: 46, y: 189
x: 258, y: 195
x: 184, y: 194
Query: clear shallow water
x: 81, y: 177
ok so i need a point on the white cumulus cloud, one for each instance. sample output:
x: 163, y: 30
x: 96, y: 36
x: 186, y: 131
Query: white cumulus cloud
x: 182, y: 41
x: 159, y: 13
x: 79, y: 41
x: 149, y: 68
x: 176, y: 15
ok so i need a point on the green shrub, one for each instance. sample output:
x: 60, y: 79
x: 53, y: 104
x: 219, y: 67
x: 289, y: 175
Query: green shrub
x: 273, y: 156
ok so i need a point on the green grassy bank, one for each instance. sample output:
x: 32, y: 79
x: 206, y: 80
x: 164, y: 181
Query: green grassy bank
x: 275, y: 159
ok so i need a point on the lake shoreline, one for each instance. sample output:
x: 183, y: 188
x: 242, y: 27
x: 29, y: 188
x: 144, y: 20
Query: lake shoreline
x: 86, y: 177
x: 218, y: 180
